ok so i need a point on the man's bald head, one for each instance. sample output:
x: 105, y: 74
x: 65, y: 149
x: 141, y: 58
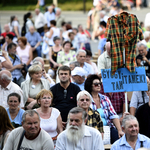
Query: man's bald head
x: 6, y: 28
x: 32, y: 29
x: 37, y: 11
x: 108, y: 46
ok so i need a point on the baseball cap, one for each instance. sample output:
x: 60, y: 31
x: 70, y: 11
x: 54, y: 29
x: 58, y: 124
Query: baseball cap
x: 78, y: 71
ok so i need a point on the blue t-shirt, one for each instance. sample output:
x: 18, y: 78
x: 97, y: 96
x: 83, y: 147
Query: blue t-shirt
x: 101, y: 112
x: 18, y: 118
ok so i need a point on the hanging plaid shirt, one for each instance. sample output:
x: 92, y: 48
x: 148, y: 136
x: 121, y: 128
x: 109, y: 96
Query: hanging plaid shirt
x: 123, y: 31
x: 94, y: 120
x: 109, y: 111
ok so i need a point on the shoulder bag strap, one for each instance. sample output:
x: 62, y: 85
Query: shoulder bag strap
x: 143, y: 97
x: 21, y: 138
x: 141, y: 144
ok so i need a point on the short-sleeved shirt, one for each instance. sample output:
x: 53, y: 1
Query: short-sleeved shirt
x: 64, y: 104
x: 34, y: 38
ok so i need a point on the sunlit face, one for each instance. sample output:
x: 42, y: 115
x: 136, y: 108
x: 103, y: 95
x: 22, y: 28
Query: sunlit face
x: 13, y: 50
x: 75, y: 119
x: 57, y: 42
x: 20, y: 43
x: 131, y: 128
x: 31, y: 125
x: 81, y: 57
x: 141, y: 50
x: 64, y: 76
x: 46, y: 100
x: 96, y: 85
x: 37, y: 75
x: 84, y: 102
x: 13, y: 102
x: 67, y: 46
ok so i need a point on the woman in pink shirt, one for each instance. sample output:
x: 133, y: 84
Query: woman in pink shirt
x: 24, y: 51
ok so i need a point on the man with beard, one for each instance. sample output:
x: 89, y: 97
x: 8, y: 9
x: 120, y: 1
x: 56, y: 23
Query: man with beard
x: 77, y: 135
x: 64, y: 93
x: 131, y: 139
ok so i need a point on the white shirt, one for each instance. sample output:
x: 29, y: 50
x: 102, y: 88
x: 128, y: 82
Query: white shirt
x: 4, y: 92
x: 40, y: 21
x: 2, y: 59
x: 104, y: 62
x: 92, y: 140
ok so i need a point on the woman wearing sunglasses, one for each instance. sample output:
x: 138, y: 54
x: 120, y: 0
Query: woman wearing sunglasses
x: 103, y: 105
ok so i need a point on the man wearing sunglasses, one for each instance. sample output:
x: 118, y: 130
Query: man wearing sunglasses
x: 64, y: 93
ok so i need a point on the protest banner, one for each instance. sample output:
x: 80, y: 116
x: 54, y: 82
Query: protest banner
x: 123, y: 80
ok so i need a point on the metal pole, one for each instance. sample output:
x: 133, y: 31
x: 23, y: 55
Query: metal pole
x: 84, y: 6
x: 55, y: 3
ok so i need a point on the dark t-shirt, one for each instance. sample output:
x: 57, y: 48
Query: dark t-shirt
x: 64, y: 104
x: 143, y: 117
x: 144, y: 63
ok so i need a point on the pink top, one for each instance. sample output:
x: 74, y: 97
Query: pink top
x: 23, y: 53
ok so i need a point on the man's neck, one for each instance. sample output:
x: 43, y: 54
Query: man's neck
x: 65, y: 85
x: 81, y: 65
x: 131, y: 139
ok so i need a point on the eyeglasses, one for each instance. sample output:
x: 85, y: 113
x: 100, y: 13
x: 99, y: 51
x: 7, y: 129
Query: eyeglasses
x: 82, y: 100
x: 97, y: 84
x: 46, y: 98
x: 65, y: 94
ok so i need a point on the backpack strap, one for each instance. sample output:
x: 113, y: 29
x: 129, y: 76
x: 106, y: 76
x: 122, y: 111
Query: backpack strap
x: 20, y: 141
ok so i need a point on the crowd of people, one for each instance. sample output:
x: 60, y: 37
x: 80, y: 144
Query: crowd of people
x: 66, y: 106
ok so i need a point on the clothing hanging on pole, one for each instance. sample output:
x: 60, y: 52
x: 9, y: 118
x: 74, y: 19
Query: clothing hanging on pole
x: 123, y: 31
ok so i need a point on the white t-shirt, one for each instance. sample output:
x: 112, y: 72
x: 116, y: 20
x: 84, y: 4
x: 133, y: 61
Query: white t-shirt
x: 50, y: 125
x: 13, y: 24
x: 2, y: 59
x: 42, y: 142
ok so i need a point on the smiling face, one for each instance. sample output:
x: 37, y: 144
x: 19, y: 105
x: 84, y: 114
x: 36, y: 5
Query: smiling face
x: 37, y: 75
x: 13, y: 102
x: 131, y: 128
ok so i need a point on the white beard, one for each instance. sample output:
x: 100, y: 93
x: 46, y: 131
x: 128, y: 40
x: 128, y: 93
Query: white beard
x: 75, y: 133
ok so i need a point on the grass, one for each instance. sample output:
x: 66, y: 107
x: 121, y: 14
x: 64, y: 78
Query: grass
x: 73, y: 6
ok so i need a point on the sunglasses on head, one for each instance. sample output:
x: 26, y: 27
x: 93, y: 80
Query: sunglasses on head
x: 97, y: 84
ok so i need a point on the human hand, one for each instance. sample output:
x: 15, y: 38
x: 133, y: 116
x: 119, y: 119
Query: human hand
x: 120, y: 133
x: 20, y: 66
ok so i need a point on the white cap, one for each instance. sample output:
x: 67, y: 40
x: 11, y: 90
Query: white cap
x: 78, y: 71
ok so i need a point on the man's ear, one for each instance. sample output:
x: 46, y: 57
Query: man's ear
x: 123, y: 129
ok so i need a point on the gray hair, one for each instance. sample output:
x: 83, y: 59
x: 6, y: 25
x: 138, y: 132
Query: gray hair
x: 103, y: 12
x: 6, y: 77
x: 37, y: 63
x: 141, y: 44
x: 58, y: 9
x: 30, y: 113
x: 146, y: 34
x: 77, y: 110
x: 80, y: 50
x: 127, y: 118
x: 37, y: 59
x: 75, y: 63
x: 82, y: 93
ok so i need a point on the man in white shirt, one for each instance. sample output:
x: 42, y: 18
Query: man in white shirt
x: 34, y: 138
x: 40, y: 21
x: 78, y: 136
x: 7, y: 87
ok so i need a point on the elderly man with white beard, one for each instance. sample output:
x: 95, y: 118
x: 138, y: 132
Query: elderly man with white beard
x: 77, y: 135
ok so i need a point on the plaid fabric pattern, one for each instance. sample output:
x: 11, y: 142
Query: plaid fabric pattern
x: 117, y: 99
x: 109, y: 111
x: 94, y: 120
x: 123, y: 31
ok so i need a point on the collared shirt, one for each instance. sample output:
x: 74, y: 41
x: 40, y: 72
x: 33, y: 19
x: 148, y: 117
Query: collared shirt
x: 17, y: 72
x: 4, y: 92
x: 109, y: 111
x: 117, y: 99
x: 122, y: 143
x: 137, y: 99
x: 94, y: 120
x: 101, y: 44
x: 40, y: 21
x: 88, y: 69
x: 104, y: 62
x: 49, y: 16
x: 123, y: 31
x: 92, y: 140
x: 81, y: 86
x: 34, y: 38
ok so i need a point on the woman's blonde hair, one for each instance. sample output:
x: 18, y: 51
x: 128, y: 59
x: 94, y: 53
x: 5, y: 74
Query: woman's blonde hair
x: 33, y: 69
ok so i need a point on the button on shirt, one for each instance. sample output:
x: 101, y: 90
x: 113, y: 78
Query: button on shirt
x: 122, y: 143
x: 123, y: 31
x: 4, y: 92
x: 34, y: 38
x: 92, y: 140
x: 49, y: 16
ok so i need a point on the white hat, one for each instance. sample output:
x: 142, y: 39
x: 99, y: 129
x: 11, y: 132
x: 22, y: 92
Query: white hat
x: 78, y: 71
